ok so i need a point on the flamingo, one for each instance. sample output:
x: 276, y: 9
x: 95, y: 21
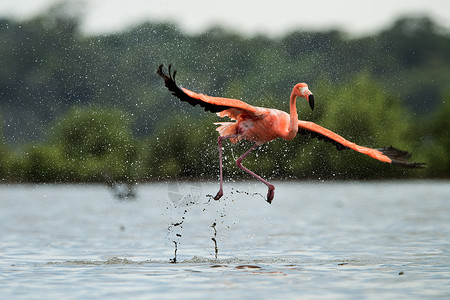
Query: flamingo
x: 261, y: 125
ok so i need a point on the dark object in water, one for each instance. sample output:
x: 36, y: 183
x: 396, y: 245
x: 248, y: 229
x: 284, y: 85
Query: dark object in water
x: 123, y: 191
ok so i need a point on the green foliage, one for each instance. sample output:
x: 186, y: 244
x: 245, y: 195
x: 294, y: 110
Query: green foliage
x: 133, y: 129
x: 3, y: 153
x: 182, y: 148
x: 85, y: 145
x: 42, y: 163
x: 439, y: 133
x: 96, y: 144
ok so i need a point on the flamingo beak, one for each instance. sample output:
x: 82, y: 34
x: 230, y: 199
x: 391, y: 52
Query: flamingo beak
x: 306, y: 93
x: 311, y: 101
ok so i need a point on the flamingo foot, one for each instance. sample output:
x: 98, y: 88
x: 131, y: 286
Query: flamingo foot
x: 219, y: 195
x: 270, y: 194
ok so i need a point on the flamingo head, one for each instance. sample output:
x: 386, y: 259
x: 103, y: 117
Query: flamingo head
x: 302, y: 90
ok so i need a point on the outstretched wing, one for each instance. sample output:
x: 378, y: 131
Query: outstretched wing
x: 212, y: 104
x: 389, y: 155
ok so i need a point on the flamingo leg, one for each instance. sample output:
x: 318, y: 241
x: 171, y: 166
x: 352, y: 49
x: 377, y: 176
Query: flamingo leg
x: 219, y: 142
x: 271, y: 191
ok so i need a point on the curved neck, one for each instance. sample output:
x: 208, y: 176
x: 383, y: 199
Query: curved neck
x: 293, y: 124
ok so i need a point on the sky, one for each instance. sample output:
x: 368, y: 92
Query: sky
x: 273, y: 18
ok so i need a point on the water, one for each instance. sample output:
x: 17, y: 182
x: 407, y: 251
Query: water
x: 316, y: 241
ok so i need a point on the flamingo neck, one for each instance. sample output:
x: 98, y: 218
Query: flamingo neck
x: 293, y: 124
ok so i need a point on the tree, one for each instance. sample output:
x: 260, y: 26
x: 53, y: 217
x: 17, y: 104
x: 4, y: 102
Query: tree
x: 182, y: 148
x: 439, y: 148
x: 3, y: 153
x: 96, y: 144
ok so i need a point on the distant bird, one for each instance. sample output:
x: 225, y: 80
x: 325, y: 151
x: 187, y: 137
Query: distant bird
x: 261, y: 125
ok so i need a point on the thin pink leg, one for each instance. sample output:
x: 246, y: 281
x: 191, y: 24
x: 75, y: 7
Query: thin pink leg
x: 219, y: 142
x: 271, y: 192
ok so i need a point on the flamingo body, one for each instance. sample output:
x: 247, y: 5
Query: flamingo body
x: 264, y: 126
x: 261, y: 125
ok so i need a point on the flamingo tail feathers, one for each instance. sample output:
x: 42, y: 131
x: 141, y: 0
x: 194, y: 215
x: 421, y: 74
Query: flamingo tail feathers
x: 227, y: 129
x: 388, y: 155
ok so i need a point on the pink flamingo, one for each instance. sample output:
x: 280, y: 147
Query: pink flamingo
x: 261, y: 125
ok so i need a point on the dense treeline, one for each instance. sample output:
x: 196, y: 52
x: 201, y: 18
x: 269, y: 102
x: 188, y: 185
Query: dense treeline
x: 91, y: 108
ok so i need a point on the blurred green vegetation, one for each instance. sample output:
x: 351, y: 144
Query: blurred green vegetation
x: 77, y: 108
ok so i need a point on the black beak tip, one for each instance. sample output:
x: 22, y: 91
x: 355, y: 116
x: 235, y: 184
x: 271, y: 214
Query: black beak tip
x: 311, y: 101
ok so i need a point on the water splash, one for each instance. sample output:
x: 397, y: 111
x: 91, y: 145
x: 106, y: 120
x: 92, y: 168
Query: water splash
x: 174, y: 259
x: 216, y: 249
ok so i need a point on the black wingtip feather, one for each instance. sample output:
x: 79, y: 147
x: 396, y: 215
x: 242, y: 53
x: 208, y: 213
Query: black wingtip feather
x: 400, y: 157
x: 321, y: 137
x: 169, y: 82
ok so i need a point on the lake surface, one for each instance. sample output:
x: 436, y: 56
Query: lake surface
x: 323, y: 240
